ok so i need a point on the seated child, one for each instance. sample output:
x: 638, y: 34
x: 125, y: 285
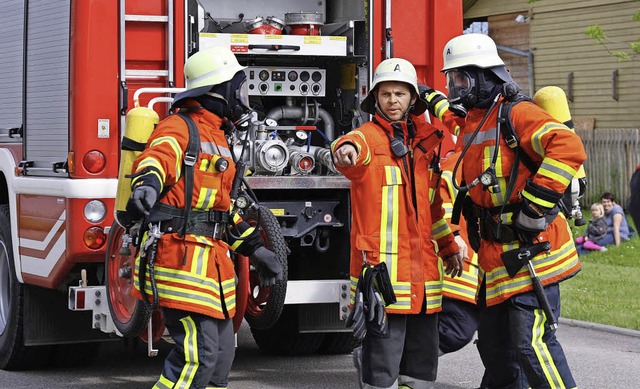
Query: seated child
x: 596, y: 230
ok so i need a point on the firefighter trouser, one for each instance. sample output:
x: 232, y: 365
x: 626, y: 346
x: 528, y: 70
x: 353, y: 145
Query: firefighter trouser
x: 203, y: 352
x: 409, y: 356
x: 457, y: 322
x: 518, y: 348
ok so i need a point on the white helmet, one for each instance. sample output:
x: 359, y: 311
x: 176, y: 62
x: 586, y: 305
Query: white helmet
x: 394, y: 69
x: 471, y: 50
x: 207, y: 68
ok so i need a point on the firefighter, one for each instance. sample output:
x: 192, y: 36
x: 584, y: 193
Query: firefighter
x: 458, y: 321
x: 394, y: 218
x: 194, y: 274
x: 511, y: 207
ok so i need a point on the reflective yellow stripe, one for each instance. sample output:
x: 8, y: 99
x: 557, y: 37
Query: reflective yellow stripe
x: 441, y: 108
x: 536, y: 137
x: 557, y: 170
x: 200, y: 256
x: 389, y: 221
x: 537, y: 200
x: 175, y: 146
x: 558, y: 262
x: 206, y: 198
x: 163, y: 383
x: 191, y: 361
x: 440, y: 229
x: 433, y: 292
x: 156, y: 169
x: 542, y: 352
x: 246, y: 233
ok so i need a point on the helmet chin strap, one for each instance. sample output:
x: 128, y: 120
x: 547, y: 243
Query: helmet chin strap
x: 387, y: 118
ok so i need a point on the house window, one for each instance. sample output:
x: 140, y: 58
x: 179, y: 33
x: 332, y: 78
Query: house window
x: 477, y: 27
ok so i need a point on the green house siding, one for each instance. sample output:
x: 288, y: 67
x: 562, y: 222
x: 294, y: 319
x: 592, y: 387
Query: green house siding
x: 560, y: 47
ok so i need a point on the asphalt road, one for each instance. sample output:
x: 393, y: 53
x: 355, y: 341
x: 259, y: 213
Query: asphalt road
x: 599, y: 360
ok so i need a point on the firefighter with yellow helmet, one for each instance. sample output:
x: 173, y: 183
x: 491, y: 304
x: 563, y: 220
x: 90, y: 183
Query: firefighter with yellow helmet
x: 512, y: 207
x: 194, y: 274
x: 396, y: 212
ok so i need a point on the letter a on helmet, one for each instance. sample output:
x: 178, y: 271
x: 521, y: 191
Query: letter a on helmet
x: 394, y: 69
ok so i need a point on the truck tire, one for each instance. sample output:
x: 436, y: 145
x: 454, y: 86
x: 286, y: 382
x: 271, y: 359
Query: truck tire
x: 338, y: 343
x: 130, y: 315
x: 264, y: 305
x: 283, y: 338
x: 14, y: 355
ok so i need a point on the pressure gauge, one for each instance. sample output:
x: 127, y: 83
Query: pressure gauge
x: 242, y: 202
x: 301, y: 137
x: 486, y: 178
x: 270, y: 122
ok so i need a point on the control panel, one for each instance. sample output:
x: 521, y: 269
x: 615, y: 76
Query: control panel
x: 276, y: 81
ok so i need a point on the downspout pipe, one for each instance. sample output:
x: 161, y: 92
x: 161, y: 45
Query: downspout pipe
x: 523, y: 53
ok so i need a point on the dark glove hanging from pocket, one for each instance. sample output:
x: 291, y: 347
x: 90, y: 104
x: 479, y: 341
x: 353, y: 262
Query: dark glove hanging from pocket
x: 473, y: 223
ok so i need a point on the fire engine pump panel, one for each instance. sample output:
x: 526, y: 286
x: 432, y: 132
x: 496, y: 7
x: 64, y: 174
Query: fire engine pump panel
x: 306, y: 61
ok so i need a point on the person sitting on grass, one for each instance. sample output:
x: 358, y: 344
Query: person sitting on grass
x: 618, y: 229
x: 596, y: 230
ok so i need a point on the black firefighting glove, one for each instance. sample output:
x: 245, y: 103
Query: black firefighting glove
x: 534, y: 218
x: 141, y: 201
x: 436, y: 99
x: 269, y: 268
x: 356, y: 319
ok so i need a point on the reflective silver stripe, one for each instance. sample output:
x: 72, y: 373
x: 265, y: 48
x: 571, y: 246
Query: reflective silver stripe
x: 203, y: 201
x: 440, y: 229
x: 396, y: 76
x: 190, y: 344
x: 481, y: 137
x: 205, y: 76
x: 539, y: 346
x: 556, y: 170
x: 208, y: 147
x: 214, y: 148
x: 172, y: 276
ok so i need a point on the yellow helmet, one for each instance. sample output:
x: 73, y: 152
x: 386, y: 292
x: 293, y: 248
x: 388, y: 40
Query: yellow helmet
x: 394, y: 69
x: 207, y: 68
x: 471, y: 50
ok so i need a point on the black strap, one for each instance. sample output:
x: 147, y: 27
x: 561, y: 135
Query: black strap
x: 509, y: 133
x: 188, y: 162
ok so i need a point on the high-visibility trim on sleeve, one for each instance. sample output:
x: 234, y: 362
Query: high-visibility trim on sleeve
x: 537, y: 200
x: 536, y: 138
x: 557, y: 170
x: 440, y: 229
x: 175, y: 146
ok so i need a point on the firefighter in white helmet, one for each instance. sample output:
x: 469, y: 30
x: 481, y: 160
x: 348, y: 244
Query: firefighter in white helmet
x: 513, y: 187
x: 396, y: 212
x: 194, y: 274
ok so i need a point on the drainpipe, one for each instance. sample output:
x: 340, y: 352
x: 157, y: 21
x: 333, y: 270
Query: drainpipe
x: 523, y: 53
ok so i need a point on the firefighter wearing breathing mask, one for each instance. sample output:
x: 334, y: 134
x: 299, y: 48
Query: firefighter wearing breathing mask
x: 194, y: 274
x: 396, y: 212
x: 511, y: 206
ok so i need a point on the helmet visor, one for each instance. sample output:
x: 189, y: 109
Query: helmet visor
x: 459, y: 84
x: 242, y: 94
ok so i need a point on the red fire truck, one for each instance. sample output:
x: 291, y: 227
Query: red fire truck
x: 73, y: 69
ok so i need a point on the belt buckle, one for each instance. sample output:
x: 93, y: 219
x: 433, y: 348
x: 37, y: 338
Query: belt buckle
x: 217, y: 231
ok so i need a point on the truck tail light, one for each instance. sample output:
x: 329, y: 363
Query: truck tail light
x: 94, y: 161
x: 94, y: 238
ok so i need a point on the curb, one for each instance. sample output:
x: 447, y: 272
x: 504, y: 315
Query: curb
x: 600, y: 327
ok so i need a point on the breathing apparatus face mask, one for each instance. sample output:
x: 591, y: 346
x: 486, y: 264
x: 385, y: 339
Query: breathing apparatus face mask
x: 461, y: 86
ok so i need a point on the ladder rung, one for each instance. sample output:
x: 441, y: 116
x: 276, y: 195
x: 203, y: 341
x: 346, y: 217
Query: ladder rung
x: 146, y: 18
x: 136, y: 73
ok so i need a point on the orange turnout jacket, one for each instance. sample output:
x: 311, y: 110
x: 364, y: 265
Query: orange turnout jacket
x: 393, y: 204
x: 465, y: 287
x: 559, y: 152
x: 194, y: 274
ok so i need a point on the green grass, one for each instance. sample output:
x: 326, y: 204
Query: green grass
x: 607, y: 290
